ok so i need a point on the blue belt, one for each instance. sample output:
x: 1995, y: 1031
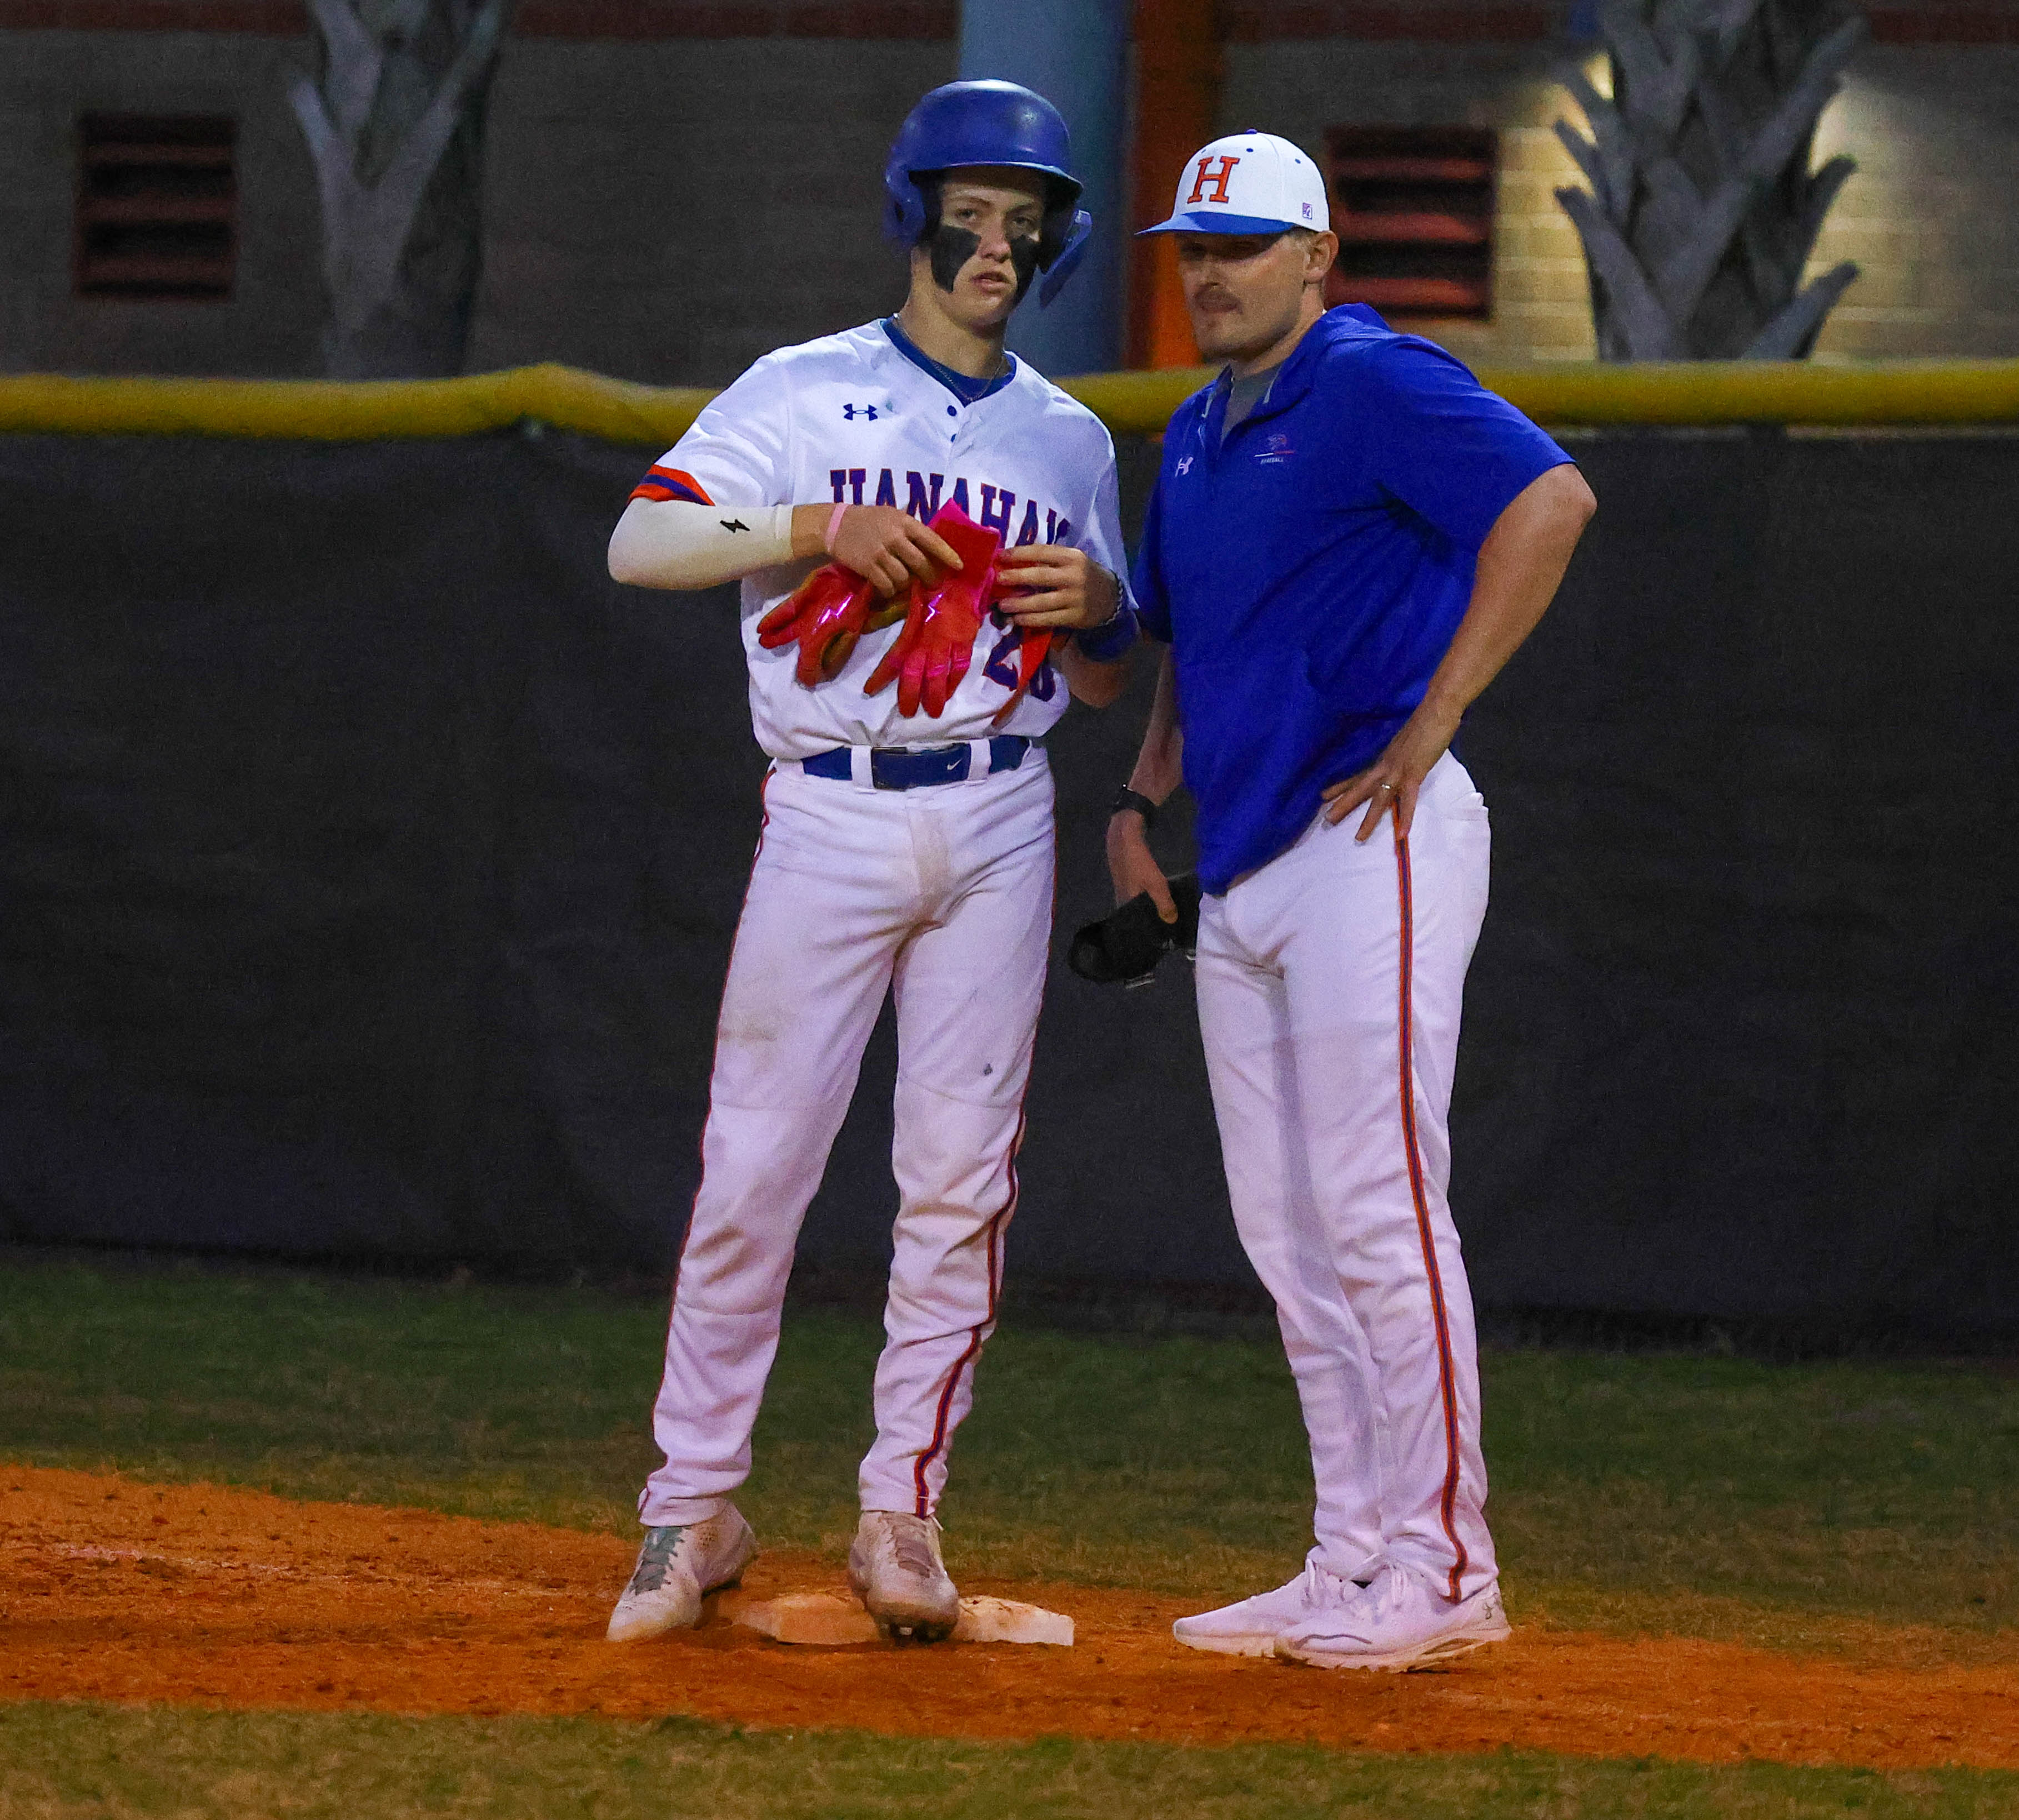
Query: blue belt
x: 895, y: 769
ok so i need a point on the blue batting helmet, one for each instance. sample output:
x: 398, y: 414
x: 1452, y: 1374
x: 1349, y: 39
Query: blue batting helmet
x: 989, y: 123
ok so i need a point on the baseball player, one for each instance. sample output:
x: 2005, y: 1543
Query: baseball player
x: 1347, y: 539
x: 904, y: 503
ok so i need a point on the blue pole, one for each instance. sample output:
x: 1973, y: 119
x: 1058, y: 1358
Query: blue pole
x: 1074, y: 53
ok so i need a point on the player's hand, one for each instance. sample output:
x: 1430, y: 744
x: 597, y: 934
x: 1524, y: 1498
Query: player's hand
x: 891, y: 549
x: 1054, y: 587
x: 1391, y: 782
x: 1134, y: 866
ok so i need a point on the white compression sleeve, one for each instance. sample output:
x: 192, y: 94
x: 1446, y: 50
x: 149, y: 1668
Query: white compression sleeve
x: 673, y: 543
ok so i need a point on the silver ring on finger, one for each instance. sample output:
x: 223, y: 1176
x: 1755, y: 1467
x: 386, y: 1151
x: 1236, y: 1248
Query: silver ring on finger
x: 1390, y: 787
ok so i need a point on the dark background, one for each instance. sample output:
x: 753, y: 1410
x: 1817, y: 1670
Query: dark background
x: 369, y: 863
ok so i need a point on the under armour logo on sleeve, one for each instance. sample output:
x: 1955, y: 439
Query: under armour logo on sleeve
x: 852, y: 412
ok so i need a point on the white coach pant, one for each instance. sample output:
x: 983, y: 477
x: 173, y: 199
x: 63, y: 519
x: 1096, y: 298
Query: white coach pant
x: 943, y: 896
x: 1329, y: 984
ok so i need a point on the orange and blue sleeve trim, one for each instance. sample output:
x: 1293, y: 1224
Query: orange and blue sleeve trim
x: 662, y: 483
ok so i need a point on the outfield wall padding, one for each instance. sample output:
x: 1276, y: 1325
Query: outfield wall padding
x: 1679, y: 392
x: 371, y: 860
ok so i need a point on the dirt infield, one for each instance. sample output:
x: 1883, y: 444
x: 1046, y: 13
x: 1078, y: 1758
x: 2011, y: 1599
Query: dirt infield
x: 114, y: 1589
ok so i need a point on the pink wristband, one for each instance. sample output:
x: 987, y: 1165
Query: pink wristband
x: 833, y: 525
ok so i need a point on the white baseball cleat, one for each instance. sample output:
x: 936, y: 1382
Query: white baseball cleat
x: 895, y: 1567
x: 1401, y: 1621
x: 678, y: 1566
x: 1250, y: 1626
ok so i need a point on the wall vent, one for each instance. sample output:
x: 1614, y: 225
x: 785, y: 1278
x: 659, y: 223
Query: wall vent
x: 1413, y: 209
x: 156, y: 207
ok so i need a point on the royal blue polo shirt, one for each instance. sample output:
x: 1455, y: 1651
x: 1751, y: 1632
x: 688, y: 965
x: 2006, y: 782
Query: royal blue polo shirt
x: 1309, y: 573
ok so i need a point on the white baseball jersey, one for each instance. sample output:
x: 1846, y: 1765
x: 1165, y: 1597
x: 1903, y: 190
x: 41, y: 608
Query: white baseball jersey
x: 852, y: 418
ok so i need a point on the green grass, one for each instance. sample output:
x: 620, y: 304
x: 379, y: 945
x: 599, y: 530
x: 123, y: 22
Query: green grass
x: 1713, y: 1496
x: 59, y: 1761
x: 1710, y: 1494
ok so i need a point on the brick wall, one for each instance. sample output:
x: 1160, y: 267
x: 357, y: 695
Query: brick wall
x: 1933, y: 214
x: 664, y: 209
x: 670, y: 210
x: 667, y: 205
x: 47, y: 79
x: 1932, y: 217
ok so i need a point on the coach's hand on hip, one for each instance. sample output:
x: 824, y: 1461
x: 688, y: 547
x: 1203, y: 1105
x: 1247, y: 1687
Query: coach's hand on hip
x: 1393, y: 779
x: 1066, y: 589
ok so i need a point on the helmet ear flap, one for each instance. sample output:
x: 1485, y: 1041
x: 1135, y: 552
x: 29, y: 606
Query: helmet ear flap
x: 1054, y: 235
x: 1066, y: 224
x: 1067, y: 261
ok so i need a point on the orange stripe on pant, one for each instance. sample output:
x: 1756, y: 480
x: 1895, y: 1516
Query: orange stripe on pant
x: 1447, y: 1385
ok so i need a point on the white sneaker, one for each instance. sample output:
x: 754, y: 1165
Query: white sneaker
x: 895, y: 1567
x: 679, y: 1565
x: 1250, y: 1626
x: 1401, y: 1621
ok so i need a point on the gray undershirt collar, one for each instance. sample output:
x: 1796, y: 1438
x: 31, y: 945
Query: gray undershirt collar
x: 1244, y: 395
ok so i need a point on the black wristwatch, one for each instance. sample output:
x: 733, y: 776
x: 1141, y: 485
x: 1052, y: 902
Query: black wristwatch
x: 1126, y: 798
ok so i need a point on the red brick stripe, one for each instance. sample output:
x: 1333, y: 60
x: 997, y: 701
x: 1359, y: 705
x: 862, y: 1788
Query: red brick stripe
x: 1992, y: 24
x: 1266, y: 21
x: 1446, y: 1381
x: 931, y: 20
x: 261, y: 18
x: 1496, y: 21
x: 647, y: 19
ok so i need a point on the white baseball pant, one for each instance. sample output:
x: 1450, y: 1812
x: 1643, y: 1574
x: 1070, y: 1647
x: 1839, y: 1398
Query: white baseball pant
x: 1329, y: 987
x: 943, y: 897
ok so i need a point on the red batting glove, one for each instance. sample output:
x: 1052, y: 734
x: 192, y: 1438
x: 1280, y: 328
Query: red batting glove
x: 826, y: 614
x: 929, y: 657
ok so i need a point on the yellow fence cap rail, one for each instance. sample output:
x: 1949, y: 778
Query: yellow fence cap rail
x: 1708, y: 392
x: 1137, y: 404
x: 350, y: 411
x: 1677, y: 393
x: 1898, y: 391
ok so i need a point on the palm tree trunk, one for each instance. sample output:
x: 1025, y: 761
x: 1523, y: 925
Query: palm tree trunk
x: 394, y: 120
